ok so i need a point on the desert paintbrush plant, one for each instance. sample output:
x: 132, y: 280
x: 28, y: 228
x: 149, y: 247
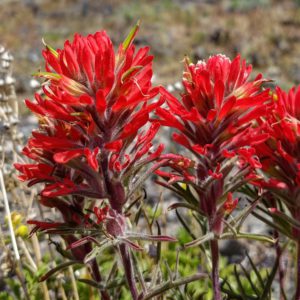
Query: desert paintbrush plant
x: 215, y: 120
x: 92, y: 145
x: 280, y: 159
x: 93, y: 151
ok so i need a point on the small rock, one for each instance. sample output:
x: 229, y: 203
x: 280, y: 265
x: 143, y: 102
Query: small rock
x: 34, y: 84
x: 234, y: 250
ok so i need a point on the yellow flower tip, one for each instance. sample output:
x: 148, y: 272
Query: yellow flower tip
x: 22, y: 231
x: 47, y: 75
x: 16, y: 218
x: 130, y: 38
x: 73, y: 87
x: 183, y: 185
x: 48, y: 47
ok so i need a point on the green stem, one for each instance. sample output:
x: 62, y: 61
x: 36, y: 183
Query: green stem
x: 214, y: 248
x: 158, y: 290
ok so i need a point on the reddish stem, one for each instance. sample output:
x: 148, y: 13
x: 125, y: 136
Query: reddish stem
x: 125, y: 254
x: 97, y: 277
x: 214, y: 248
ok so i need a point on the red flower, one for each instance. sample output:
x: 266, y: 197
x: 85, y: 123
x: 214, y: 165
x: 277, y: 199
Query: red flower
x: 230, y: 204
x: 280, y: 154
x: 101, y: 213
x: 94, y: 136
x: 217, y: 120
x: 95, y: 104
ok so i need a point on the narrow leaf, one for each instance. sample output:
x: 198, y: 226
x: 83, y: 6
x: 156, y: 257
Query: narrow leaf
x: 254, y: 288
x: 149, y: 237
x: 185, y: 226
x: 268, y: 285
x: 240, y: 285
x: 59, y: 268
x: 129, y: 39
x: 129, y: 72
x: 47, y: 75
x: 48, y: 47
x: 158, y: 256
x: 98, y: 250
x: 255, y: 270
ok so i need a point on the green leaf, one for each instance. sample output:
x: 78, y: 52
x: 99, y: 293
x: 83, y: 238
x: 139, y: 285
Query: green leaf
x: 129, y: 39
x: 185, y: 226
x: 282, y: 216
x: 48, y: 47
x: 260, y: 279
x: 282, y: 228
x: 59, y: 268
x: 47, y: 75
x: 246, y: 212
x: 99, y: 249
x: 158, y: 257
x: 162, y: 288
x: 248, y: 276
x: 129, y: 72
x: 249, y: 236
x: 240, y: 285
x: 148, y: 237
x: 156, y: 212
x: 138, y: 214
x: 89, y: 282
x: 182, y: 205
x: 113, y: 272
x: 268, y: 285
x: 203, y: 239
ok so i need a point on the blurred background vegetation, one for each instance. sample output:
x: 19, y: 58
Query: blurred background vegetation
x: 265, y: 32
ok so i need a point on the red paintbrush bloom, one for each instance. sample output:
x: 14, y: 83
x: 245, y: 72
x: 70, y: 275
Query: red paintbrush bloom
x: 280, y: 154
x: 94, y: 140
x: 95, y: 104
x: 216, y: 121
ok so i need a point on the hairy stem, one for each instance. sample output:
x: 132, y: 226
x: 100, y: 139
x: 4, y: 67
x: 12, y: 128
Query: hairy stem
x: 214, y: 248
x: 128, y: 269
x: 97, y: 277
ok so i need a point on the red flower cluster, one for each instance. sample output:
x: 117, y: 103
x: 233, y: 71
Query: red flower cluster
x: 90, y: 141
x: 217, y: 122
x: 280, y: 154
x: 95, y: 141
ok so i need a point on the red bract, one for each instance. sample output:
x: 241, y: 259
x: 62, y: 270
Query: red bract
x: 95, y: 104
x: 216, y: 120
x: 280, y: 154
x: 100, y: 213
x: 94, y: 139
